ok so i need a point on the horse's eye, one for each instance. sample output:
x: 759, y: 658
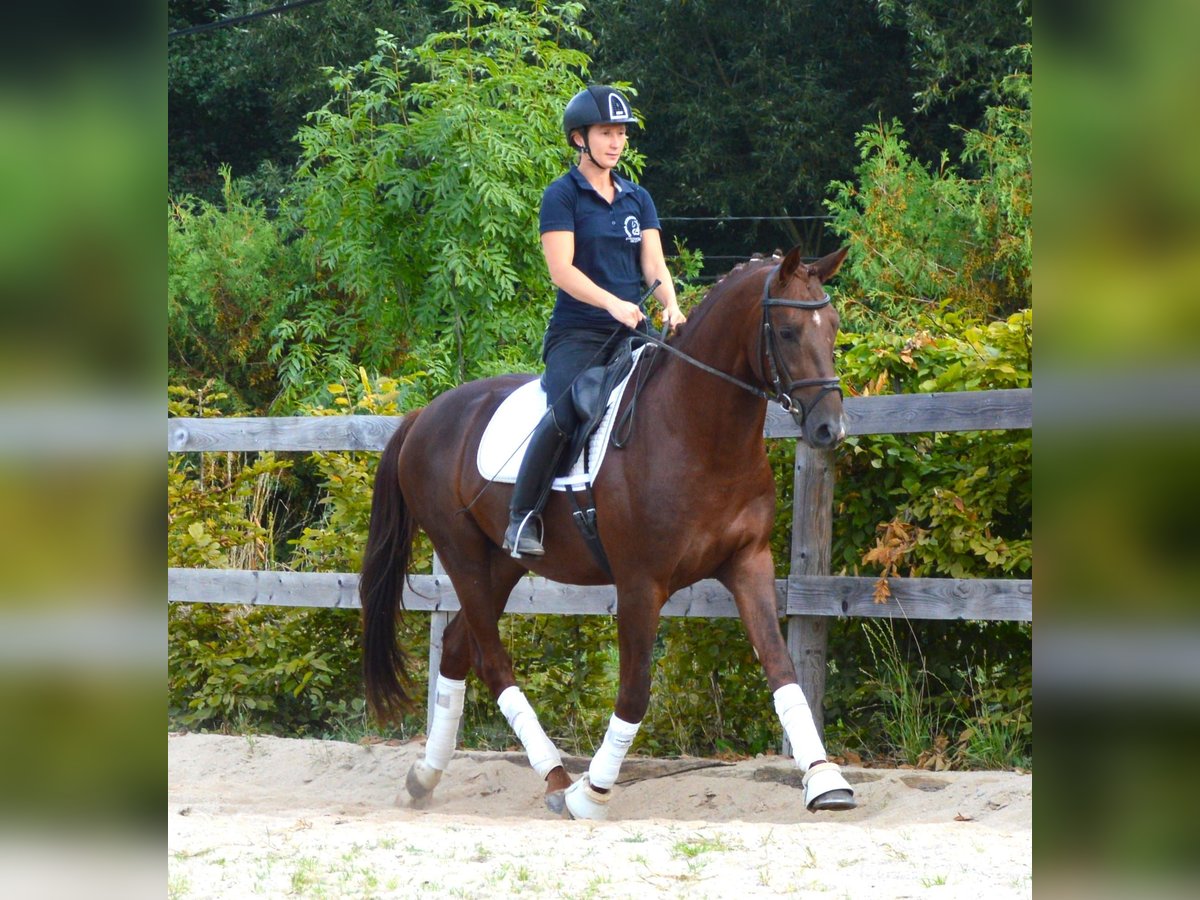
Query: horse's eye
x: 788, y: 334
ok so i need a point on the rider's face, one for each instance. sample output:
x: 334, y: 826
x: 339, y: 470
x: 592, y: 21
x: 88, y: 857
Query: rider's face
x: 607, y: 143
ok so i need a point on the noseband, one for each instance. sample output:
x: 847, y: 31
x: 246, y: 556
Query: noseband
x: 778, y: 376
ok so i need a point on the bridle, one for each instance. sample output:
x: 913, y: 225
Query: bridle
x: 778, y: 377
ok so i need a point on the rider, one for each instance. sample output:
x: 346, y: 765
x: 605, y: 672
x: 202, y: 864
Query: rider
x: 601, y: 240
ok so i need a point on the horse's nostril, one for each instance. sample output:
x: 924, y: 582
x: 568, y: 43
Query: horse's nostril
x: 826, y: 436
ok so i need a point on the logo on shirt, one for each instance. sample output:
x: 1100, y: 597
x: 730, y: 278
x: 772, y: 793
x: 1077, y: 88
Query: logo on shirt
x: 633, y: 230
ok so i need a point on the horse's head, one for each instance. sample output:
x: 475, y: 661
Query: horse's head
x: 799, y: 330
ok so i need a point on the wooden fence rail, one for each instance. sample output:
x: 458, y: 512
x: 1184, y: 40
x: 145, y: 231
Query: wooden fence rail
x: 806, y: 598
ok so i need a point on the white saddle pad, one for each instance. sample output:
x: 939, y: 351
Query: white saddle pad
x: 506, y: 437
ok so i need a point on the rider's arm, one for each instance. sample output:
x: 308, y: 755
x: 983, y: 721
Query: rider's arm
x: 559, y: 249
x: 654, y: 266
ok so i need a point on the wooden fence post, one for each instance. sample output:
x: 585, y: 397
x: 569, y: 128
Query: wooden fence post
x: 812, y: 539
x: 438, y: 621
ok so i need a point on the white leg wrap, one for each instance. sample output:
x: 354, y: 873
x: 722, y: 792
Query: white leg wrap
x: 442, y: 732
x: 797, y: 721
x: 543, y: 755
x: 606, y: 764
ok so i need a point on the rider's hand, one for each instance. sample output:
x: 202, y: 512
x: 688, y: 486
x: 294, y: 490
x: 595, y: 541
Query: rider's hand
x: 673, y: 317
x: 628, y: 314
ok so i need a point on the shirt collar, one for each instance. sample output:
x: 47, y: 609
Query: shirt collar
x: 624, y: 185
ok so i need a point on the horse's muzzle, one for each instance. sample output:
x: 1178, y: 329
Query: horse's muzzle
x: 822, y: 434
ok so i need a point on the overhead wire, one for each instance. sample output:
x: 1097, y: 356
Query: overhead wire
x: 237, y: 20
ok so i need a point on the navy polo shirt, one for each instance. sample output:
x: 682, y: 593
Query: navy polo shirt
x: 608, y: 241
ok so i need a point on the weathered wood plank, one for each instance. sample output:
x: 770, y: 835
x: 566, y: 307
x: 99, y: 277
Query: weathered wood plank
x: 338, y: 590
x: 918, y: 598
x: 706, y: 599
x: 807, y: 595
x: 899, y: 414
x: 908, y: 413
x: 915, y: 598
x: 252, y: 433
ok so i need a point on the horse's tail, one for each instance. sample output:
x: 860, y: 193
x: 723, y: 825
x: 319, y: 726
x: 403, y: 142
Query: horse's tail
x: 381, y: 586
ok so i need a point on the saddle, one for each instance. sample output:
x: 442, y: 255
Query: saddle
x: 596, y: 395
x: 590, y: 395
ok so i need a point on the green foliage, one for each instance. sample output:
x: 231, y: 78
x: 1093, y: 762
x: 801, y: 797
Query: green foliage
x: 997, y: 713
x: 903, y: 723
x: 236, y: 95
x: 957, y: 47
x: 959, y: 504
x: 923, y: 239
x: 568, y: 666
x: 934, y: 695
x: 218, y: 505
x: 244, y: 668
x: 336, y: 541
x: 231, y: 278
x: 272, y: 669
x: 708, y: 693
x: 421, y: 181
x: 257, y: 669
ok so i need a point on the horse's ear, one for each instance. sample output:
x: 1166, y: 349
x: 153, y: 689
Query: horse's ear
x: 790, y: 264
x: 827, y: 266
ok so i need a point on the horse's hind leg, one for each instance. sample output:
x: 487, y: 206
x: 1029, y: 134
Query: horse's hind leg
x: 441, y: 732
x: 483, y: 580
x: 494, y: 667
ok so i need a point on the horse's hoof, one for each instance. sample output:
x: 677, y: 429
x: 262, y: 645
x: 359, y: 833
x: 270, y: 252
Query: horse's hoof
x: 556, y: 802
x: 826, y: 789
x: 833, y: 800
x: 585, y: 802
x: 421, y: 780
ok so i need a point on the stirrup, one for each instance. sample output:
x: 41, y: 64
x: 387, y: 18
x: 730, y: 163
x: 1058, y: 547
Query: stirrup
x: 521, y: 540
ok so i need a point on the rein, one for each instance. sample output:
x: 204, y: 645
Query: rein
x: 766, y: 350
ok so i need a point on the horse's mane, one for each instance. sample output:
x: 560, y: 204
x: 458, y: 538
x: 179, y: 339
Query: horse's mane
x: 723, y: 286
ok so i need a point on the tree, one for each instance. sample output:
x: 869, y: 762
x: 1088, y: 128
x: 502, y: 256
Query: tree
x: 420, y: 183
x: 958, y: 48
x: 236, y: 95
x: 753, y: 108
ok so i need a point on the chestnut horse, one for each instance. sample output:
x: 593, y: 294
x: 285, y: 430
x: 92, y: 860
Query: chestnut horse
x: 689, y: 496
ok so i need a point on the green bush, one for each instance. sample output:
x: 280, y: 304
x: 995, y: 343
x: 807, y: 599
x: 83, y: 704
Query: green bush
x: 924, y: 239
x: 232, y: 276
x: 271, y: 669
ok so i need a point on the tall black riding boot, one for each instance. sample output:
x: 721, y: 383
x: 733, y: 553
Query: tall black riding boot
x: 523, y: 537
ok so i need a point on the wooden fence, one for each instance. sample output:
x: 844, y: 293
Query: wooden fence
x: 806, y: 598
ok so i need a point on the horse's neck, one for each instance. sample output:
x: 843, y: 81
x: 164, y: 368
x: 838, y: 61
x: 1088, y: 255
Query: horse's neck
x: 719, y: 416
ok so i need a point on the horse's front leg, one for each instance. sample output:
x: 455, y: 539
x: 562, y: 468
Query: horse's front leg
x: 637, y: 624
x: 751, y: 580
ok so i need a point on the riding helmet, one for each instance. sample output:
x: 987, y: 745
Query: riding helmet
x: 595, y: 105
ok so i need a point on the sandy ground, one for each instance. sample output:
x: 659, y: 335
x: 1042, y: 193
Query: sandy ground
x: 262, y: 816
